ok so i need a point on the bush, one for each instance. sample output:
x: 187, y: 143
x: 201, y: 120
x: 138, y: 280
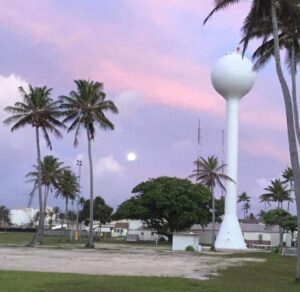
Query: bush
x: 276, y: 249
x: 189, y: 248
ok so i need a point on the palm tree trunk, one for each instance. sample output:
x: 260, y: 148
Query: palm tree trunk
x: 213, y: 220
x: 67, y: 217
x: 294, y: 91
x: 39, y: 232
x: 290, y: 125
x: 90, y: 242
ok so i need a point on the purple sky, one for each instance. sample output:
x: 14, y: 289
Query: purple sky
x: 154, y: 58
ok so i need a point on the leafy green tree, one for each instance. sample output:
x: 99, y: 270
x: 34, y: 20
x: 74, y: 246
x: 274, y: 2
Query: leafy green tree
x: 102, y: 212
x: 210, y: 173
x: 85, y: 108
x: 278, y: 217
x: 41, y: 112
x: 277, y: 13
x: 4, y: 216
x: 168, y: 205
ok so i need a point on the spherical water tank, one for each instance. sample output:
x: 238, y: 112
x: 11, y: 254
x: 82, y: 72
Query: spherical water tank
x: 232, y: 76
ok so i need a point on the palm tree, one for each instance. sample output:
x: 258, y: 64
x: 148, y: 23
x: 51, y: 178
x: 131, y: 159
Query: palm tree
x: 289, y: 178
x: 4, y: 216
x: 37, y: 110
x: 243, y: 198
x: 209, y: 172
x: 56, y: 211
x: 271, y: 10
x: 246, y: 209
x: 261, y: 215
x: 67, y: 188
x: 51, y: 171
x: 277, y: 192
x: 85, y: 108
x: 265, y: 198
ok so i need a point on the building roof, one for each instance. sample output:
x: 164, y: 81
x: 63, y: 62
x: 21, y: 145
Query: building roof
x: 123, y: 225
x: 246, y: 227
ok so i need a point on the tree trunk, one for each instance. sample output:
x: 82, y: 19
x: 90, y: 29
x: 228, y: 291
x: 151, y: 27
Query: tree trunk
x: 39, y: 233
x: 294, y: 92
x: 213, y: 220
x: 90, y: 243
x: 67, y: 217
x: 290, y: 125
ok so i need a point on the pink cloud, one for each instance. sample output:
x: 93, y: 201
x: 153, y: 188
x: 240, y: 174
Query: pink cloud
x: 266, y: 148
x: 135, y: 61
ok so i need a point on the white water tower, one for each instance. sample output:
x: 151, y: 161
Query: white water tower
x: 232, y: 77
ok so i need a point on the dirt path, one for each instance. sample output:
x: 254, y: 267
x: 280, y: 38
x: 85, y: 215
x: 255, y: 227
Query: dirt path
x: 139, y: 261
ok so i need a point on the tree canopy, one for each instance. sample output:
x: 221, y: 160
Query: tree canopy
x: 102, y: 212
x: 168, y: 204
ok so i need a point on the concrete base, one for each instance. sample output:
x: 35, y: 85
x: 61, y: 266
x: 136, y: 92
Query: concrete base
x: 230, y: 236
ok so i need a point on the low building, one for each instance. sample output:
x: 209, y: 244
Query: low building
x: 23, y: 217
x: 254, y: 234
x: 120, y: 229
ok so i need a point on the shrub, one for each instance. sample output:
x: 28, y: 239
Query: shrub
x: 276, y: 249
x: 189, y: 248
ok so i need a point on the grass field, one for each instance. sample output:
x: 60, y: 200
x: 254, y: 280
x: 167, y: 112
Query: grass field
x: 21, y: 238
x: 276, y: 274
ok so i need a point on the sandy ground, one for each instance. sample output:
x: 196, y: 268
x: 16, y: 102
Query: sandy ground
x: 118, y: 260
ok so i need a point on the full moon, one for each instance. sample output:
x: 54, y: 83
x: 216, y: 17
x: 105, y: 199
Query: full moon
x: 131, y: 156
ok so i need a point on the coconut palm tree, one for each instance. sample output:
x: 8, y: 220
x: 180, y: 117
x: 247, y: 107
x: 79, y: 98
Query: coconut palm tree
x: 246, y: 209
x: 41, y: 112
x: 210, y: 173
x: 243, y: 198
x: 51, y: 171
x: 265, y: 198
x: 4, y: 216
x: 289, y: 178
x: 67, y: 188
x: 56, y: 211
x: 85, y: 108
x: 271, y: 10
x: 277, y: 192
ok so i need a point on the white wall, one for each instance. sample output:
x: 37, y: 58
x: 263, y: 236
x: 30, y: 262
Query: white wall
x: 181, y: 241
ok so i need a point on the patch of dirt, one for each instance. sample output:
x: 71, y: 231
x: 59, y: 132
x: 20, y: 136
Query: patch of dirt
x: 118, y: 260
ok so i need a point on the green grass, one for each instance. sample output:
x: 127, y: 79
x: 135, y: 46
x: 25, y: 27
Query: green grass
x: 18, y: 238
x: 276, y: 274
x: 22, y: 238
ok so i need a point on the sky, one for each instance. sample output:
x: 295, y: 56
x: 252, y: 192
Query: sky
x: 154, y: 58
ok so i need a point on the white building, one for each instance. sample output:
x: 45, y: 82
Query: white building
x: 22, y: 217
x: 254, y: 234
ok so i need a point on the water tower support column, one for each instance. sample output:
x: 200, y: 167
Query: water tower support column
x: 230, y: 235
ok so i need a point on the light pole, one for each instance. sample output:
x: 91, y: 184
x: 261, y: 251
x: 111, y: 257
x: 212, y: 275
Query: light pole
x: 79, y: 164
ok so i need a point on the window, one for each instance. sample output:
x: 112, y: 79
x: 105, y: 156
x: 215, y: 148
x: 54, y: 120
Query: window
x: 260, y: 237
